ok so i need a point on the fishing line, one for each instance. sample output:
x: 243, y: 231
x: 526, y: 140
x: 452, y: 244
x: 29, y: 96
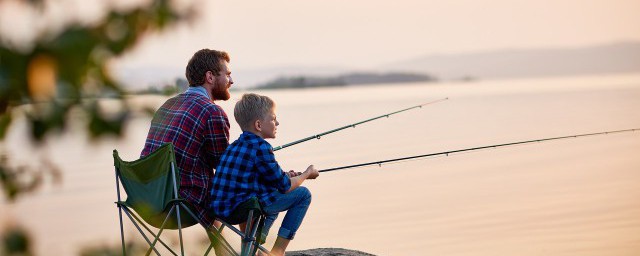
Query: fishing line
x: 318, y: 136
x: 447, y: 153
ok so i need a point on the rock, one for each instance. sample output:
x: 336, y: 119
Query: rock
x: 328, y: 252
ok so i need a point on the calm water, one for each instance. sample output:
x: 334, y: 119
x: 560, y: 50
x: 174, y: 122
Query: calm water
x: 569, y: 197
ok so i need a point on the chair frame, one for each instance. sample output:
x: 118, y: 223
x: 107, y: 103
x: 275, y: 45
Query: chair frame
x: 249, y: 245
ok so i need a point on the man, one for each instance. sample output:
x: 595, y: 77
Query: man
x: 197, y: 127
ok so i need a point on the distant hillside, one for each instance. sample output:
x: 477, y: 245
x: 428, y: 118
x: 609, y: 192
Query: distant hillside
x: 513, y: 63
x: 342, y: 80
x: 611, y: 58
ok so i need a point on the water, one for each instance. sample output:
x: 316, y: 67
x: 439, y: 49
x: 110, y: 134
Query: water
x: 568, y: 197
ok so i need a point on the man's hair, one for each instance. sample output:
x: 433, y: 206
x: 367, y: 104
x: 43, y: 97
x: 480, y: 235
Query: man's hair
x: 251, y: 108
x: 202, y: 61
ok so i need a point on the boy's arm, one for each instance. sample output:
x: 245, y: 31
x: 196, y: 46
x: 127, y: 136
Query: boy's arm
x: 310, y: 173
x: 268, y: 169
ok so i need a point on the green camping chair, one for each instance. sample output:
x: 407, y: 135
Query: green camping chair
x: 152, y: 183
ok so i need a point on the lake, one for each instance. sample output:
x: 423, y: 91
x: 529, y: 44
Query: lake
x: 566, y: 197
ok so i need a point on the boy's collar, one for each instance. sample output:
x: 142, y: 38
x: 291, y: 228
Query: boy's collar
x: 253, y: 133
x: 247, y: 135
x: 250, y: 134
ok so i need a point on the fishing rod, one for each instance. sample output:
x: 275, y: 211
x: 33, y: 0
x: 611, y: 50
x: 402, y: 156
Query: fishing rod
x: 446, y: 153
x: 317, y: 136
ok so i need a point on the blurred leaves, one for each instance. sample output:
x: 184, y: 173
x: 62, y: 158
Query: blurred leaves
x: 15, y: 242
x: 63, y: 70
x: 20, y: 180
x: 5, y: 120
x: 69, y: 70
x: 132, y: 248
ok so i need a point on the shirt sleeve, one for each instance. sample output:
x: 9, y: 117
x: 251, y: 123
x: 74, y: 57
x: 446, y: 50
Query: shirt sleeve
x: 216, y: 137
x: 270, y: 170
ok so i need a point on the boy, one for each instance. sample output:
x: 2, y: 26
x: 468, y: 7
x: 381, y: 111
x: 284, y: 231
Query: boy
x: 248, y: 169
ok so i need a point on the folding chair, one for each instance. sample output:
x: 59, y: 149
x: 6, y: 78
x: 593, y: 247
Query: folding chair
x: 152, y: 184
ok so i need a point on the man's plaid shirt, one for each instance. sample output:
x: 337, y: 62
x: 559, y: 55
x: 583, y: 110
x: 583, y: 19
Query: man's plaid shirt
x: 199, y: 131
x: 247, y: 168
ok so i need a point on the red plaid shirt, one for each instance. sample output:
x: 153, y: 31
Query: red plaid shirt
x: 199, y: 131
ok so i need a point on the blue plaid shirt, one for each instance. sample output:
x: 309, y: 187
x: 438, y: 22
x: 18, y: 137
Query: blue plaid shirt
x: 247, y: 168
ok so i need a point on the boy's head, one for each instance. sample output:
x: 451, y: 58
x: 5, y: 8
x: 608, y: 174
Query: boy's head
x: 256, y: 113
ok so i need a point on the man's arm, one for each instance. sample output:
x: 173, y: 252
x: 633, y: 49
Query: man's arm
x: 216, y: 137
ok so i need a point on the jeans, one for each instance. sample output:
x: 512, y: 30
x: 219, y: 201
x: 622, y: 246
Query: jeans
x: 295, y: 203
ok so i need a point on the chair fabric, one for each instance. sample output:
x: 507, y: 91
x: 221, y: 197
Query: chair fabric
x: 149, y: 184
x: 241, y: 212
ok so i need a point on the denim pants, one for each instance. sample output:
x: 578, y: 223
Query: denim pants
x: 295, y: 203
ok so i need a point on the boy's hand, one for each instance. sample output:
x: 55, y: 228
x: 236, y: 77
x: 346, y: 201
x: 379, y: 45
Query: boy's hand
x: 312, y: 172
x: 293, y: 173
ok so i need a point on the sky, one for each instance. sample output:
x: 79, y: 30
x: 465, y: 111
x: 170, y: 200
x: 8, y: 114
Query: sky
x: 363, y: 34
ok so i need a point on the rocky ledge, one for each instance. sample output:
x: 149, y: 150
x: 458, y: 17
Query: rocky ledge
x: 328, y: 252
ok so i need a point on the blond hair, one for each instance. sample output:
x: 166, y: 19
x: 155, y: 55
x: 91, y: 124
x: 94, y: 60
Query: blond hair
x: 252, y: 107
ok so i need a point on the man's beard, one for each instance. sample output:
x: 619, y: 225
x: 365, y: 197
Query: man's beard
x: 220, y: 93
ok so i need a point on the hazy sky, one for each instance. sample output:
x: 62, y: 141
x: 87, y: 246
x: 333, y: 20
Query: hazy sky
x: 357, y: 34
x: 364, y: 33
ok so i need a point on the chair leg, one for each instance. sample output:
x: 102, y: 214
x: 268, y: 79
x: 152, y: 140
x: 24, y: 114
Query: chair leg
x: 258, y: 234
x: 157, y: 237
x: 124, y: 250
x: 140, y: 230
x: 223, y: 242
x: 249, y: 243
x: 221, y: 245
x: 242, y: 235
x: 253, y: 245
x: 148, y: 230
x: 246, y: 239
x: 215, y: 235
x: 180, y: 231
x: 208, y: 250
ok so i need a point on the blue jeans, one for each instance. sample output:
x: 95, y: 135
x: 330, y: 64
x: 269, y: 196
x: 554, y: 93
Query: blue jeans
x: 295, y: 203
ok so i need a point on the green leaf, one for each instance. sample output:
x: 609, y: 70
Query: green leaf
x: 16, y: 241
x: 5, y: 121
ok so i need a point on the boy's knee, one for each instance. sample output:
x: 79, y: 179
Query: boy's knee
x: 305, y: 193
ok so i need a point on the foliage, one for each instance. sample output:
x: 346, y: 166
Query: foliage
x: 15, y: 242
x: 66, y: 70
x: 22, y: 179
x: 105, y: 250
x: 60, y: 71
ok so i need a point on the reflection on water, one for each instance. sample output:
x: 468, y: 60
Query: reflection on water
x: 569, y: 197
